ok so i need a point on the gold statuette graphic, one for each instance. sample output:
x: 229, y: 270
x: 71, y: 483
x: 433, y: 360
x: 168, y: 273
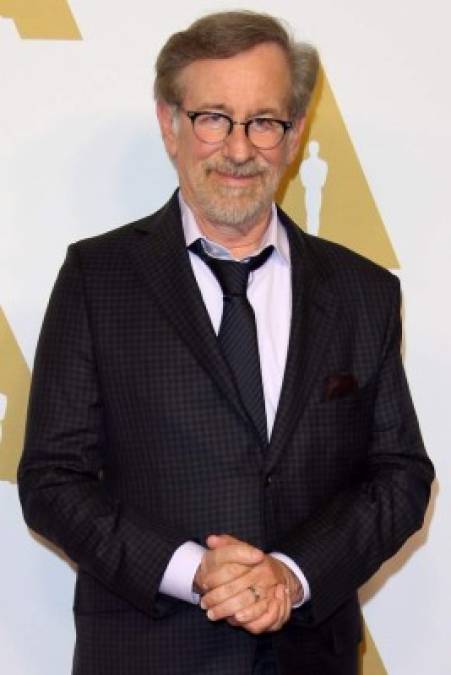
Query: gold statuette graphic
x: 326, y: 191
x: 14, y: 388
x: 41, y: 19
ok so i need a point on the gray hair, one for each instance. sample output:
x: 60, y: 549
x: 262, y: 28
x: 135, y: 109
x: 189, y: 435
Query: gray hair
x: 225, y: 34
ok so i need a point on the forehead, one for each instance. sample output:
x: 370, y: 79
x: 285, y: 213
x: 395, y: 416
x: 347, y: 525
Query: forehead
x: 250, y: 82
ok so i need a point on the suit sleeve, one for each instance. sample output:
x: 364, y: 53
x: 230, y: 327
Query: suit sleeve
x: 340, y: 546
x: 60, y: 474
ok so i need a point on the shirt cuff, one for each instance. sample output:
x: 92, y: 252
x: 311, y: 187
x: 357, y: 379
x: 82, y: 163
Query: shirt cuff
x: 297, y: 572
x: 179, y: 575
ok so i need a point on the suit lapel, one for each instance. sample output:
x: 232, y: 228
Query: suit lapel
x: 159, y: 255
x: 313, y: 317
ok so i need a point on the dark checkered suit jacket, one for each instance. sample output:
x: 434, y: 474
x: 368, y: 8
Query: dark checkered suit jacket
x: 136, y: 442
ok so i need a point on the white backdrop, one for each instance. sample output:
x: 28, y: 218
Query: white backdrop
x: 80, y: 153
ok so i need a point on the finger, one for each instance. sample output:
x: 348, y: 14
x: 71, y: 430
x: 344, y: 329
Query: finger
x: 221, y: 589
x: 218, y: 540
x: 267, y: 619
x: 252, y: 612
x: 284, y: 608
x: 219, y: 576
x: 223, y: 576
x: 214, y: 562
x: 223, y: 583
x: 282, y: 600
x: 231, y: 606
x: 288, y: 606
x: 234, y: 553
x: 263, y: 576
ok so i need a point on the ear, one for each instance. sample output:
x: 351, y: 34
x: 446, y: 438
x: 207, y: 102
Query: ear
x: 165, y: 114
x: 294, y: 138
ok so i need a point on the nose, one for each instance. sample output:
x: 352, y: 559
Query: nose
x: 237, y: 146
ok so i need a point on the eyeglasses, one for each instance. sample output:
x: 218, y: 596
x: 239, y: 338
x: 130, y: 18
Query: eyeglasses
x: 264, y: 133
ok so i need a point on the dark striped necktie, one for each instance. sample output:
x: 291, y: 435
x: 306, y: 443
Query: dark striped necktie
x: 238, y: 333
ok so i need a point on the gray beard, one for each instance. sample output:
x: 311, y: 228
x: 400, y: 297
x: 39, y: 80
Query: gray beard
x: 233, y: 213
x: 237, y: 207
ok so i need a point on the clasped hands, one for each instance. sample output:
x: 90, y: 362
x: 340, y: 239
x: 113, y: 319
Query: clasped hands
x: 244, y: 586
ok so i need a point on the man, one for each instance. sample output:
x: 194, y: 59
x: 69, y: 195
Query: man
x: 252, y: 444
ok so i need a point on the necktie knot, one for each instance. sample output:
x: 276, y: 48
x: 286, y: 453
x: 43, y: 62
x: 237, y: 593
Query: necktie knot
x: 231, y: 275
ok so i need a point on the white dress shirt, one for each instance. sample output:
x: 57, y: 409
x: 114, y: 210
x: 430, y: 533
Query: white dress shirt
x: 269, y: 293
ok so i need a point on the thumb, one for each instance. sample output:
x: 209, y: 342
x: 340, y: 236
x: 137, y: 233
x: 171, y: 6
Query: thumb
x: 220, y: 540
x: 234, y: 550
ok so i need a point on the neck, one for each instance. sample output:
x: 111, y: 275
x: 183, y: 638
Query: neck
x: 240, y: 244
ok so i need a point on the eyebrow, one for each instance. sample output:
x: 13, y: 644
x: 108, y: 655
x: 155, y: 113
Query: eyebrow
x: 220, y: 107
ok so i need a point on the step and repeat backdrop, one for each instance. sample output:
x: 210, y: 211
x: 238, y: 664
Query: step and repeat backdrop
x: 80, y: 153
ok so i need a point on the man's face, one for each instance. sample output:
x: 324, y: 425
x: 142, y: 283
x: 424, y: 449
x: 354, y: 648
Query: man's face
x: 231, y: 183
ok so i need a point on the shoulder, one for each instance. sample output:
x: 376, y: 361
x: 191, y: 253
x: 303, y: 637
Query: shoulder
x: 348, y: 273
x: 114, y: 242
x: 347, y: 266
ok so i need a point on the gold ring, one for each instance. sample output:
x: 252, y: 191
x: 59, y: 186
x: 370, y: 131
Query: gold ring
x: 255, y: 593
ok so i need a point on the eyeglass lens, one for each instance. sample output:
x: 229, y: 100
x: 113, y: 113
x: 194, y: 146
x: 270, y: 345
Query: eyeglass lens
x: 262, y: 132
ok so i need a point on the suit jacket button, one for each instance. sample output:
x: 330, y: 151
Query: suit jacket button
x: 268, y: 480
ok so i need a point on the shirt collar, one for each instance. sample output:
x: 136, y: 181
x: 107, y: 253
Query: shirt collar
x: 275, y: 235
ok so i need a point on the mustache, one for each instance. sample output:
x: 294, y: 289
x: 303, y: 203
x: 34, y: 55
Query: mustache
x: 249, y: 168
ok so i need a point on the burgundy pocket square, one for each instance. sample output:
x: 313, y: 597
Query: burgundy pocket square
x: 338, y: 385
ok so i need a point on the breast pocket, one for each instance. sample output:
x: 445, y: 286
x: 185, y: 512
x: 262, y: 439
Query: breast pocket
x: 344, y: 424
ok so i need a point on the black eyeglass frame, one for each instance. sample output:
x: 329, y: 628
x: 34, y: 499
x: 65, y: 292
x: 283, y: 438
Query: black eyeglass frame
x: 194, y: 114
